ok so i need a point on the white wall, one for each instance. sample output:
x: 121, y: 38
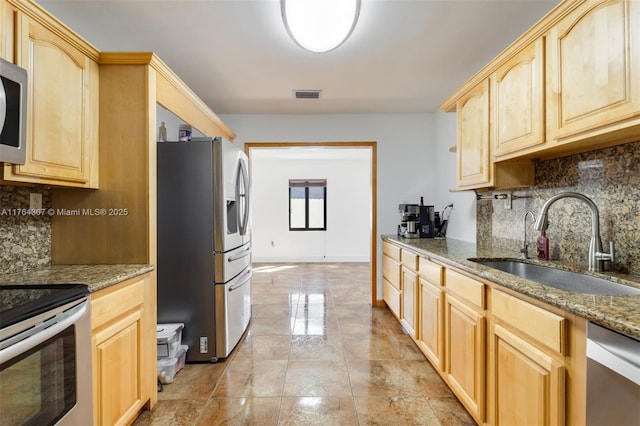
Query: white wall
x: 462, y: 221
x: 410, y: 148
x: 347, y: 237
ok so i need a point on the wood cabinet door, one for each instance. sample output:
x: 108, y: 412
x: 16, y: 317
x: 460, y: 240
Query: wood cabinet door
x: 593, y: 69
x: 391, y: 295
x: 465, y: 354
x: 118, y: 366
x: 430, y: 322
x: 517, y: 102
x: 527, y: 385
x: 409, y: 301
x: 62, y: 127
x: 473, y: 137
x: 391, y: 271
x: 7, y: 31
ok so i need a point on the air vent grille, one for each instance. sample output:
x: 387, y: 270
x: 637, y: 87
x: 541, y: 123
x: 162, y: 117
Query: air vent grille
x: 307, y: 94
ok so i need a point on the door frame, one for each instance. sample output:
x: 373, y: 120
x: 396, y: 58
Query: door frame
x: 248, y: 146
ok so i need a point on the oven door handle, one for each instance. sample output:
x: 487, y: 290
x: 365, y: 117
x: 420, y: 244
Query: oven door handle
x: 37, y: 335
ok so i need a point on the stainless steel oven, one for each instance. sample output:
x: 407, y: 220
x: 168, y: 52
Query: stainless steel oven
x: 45, y: 356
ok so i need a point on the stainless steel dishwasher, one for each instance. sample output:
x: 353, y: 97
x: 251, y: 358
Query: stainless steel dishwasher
x: 613, y: 378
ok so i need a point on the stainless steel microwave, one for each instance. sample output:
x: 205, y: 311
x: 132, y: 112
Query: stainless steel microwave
x: 13, y: 113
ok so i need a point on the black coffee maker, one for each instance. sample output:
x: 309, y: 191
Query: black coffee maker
x: 427, y: 220
x: 409, y: 221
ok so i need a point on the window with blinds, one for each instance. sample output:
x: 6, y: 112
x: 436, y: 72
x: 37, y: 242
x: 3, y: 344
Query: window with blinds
x: 307, y: 204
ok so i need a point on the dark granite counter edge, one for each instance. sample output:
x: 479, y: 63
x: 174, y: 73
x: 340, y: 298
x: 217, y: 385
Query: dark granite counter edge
x: 96, y: 277
x: 619, y: 313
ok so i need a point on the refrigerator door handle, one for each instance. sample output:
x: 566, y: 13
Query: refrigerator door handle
x: 242, y: 195
x: 245, y: 253
x: 243, y: 282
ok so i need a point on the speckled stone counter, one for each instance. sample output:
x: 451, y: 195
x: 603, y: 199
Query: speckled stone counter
x: 619, y: 313
x: 96, y: 277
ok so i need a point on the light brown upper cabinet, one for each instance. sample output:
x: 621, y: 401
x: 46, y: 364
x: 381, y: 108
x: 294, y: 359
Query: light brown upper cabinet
x: 593, y: 74
x: 517, y: 102
x: 473, y: 137
x: 476, y: 168
x: 569, y: 84
x: 62, y: 111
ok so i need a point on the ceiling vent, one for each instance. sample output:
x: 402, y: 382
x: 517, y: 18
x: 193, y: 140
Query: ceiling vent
x: 307, y: 94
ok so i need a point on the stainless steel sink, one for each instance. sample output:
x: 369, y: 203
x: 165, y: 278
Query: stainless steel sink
x: 558, y: 278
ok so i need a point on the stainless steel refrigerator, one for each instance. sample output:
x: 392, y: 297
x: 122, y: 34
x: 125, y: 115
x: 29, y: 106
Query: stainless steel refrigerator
x: 204, y: 246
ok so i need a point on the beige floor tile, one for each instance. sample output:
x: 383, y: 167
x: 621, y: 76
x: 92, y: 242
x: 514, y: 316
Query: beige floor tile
x: 316, y: 327
x: 395, y: 378
x: 255, y: 378
x: 396, y: 411
x: 360, y: 325
x: 264, y: 348
x: 274, y: 311
x: 316, y: 347
x: 316, y: 352
x: 240, y: 412
x: 271, y: 326
x: 317, y: 378
x: 194, y: 381
x: 369, y: 347
x: 450, y: 412
x: 172, y: 412
x: 321, y: 411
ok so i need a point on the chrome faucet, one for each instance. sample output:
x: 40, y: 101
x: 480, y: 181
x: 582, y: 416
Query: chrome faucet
x: 524, y: 251
x: 596, y: 255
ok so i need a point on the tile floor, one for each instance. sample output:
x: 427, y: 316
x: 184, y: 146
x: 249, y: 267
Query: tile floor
x: 316, y: 353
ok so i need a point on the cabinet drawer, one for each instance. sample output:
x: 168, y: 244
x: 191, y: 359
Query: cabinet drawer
x: 466, y: 287
x: 391, y: 250
x: 111, y: 304
x: 391, y: 296
x: 430, y: 270
x: 391, y: 271
x: 409, y: 259
x: 544, y: 326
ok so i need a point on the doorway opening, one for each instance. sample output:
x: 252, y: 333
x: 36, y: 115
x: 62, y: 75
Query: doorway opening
x: 371, y: 147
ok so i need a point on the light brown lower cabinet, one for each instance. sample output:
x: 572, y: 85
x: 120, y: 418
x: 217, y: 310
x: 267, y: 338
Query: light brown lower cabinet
x: 392, y: 278
x: 464, y: 349
x: 527, y: 383
x: 123, y: 351
x: 430, y: 322
x: 409, y: 301
x: 510, y: 359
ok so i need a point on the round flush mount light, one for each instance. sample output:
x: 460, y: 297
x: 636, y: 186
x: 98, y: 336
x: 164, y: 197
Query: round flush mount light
x: 320, y: 25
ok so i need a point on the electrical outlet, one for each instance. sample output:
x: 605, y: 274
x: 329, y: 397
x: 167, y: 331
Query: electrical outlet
x: 35, y: 201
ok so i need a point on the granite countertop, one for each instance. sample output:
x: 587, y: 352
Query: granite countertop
x: 96, y: 277
x: 619, y: 313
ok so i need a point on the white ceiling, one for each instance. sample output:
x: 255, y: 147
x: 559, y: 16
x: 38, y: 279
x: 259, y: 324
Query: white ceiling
x: 403, y: 56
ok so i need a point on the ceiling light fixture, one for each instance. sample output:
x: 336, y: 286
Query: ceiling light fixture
x: 320, y: 25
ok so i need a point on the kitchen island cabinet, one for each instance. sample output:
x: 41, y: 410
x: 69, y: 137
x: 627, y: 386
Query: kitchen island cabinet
x: 62, y: 112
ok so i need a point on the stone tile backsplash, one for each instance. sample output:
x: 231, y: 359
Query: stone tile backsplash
x: 610, y: 177
x: 25, y: 239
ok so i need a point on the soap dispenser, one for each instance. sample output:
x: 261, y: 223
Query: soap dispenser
x: 543, y: 246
